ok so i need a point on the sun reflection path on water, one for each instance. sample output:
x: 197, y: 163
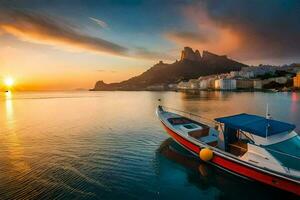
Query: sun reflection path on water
x: 15, y: 148
x: 8, y: 106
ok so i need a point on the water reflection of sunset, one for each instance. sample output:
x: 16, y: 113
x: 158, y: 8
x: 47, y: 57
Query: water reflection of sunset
x: 8, y: 106
x: 295, y: 97
x: 294, y: 103
x: 14, y: 145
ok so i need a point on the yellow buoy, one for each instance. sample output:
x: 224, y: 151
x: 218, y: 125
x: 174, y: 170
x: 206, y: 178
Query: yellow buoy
x: 206, y: 154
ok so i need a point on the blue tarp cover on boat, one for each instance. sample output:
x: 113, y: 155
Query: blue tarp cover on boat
x: 256, y: 125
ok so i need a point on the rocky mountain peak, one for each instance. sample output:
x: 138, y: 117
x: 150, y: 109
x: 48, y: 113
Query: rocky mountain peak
x: 188, y: 54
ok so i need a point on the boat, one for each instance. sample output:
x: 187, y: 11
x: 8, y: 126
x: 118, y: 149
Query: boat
x: 249, y: 146
x: 273, y: 90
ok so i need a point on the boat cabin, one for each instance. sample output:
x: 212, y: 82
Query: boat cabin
x: 243, y: 129
x: 196, y: 130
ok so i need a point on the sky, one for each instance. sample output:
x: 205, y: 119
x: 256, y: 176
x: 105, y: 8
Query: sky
x: 70, y: 44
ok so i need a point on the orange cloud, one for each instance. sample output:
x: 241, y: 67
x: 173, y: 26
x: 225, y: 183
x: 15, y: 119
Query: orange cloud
x: 42, y: 29
x: 37, y: 28
x: 207, y: 34
x: 252, y: 31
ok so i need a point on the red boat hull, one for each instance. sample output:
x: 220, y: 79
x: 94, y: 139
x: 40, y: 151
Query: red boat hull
x: 238, y: 168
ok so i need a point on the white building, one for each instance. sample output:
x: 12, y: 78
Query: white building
x: 183, y: 85
x: 203, y: 84
x: 257, y: 84
x: 193, y: 84
x: 207, y: 82
x: 225, y: 84
x: 211, y: 83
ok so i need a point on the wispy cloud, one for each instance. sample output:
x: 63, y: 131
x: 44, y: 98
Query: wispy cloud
x: 40, y: 28
x: 101, y: 23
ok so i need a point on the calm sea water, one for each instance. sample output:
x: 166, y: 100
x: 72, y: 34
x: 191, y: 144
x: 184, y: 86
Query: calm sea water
x: 110, y: 145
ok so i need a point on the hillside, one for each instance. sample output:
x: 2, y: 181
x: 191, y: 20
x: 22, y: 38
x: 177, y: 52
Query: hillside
x: 191, y: 65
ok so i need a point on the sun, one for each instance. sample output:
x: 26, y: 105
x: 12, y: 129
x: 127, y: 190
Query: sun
x: 9, y: 81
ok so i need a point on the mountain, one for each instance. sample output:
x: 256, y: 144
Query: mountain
x: 190, y: 66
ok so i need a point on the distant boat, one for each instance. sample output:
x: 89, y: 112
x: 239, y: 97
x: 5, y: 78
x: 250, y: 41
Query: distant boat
x: 249, y: 146
x: 6, y: 91
x: 273, y: 90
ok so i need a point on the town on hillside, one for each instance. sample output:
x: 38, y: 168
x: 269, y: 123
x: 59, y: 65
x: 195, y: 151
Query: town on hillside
x: 262, y: 77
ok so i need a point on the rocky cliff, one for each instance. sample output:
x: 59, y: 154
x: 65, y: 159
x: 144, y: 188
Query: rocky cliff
x: 191, y: 65
x: 188, y: 54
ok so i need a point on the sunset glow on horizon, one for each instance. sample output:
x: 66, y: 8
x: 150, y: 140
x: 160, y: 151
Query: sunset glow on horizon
x: 48, y: 48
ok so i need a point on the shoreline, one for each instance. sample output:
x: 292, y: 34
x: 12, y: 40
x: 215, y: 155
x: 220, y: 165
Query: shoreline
x: 206, y: 90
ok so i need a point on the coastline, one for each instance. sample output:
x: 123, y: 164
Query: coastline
x: 209, y: 90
